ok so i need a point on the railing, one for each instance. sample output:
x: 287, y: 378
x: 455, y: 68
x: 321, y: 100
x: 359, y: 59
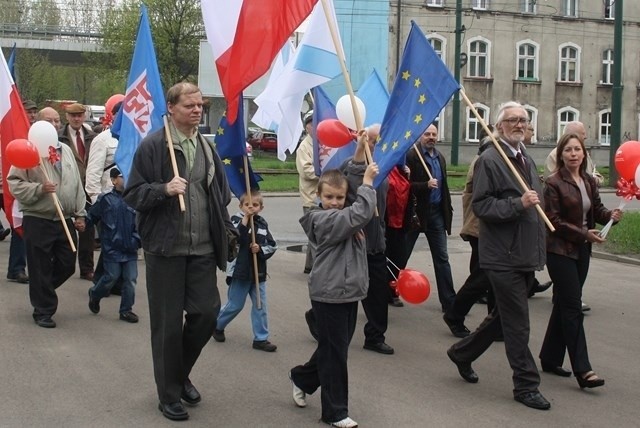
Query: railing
x: 48, y: 32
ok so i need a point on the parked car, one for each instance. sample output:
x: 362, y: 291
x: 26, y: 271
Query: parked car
x: 263, y: 140
x: 212, y: 139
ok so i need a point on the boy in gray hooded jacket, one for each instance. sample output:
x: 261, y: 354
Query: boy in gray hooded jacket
x: 338, y: 280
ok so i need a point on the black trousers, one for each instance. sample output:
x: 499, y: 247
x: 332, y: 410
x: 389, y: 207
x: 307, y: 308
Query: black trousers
x: 566, y: 324
x: 376, y: 304
x: 511, y: 317
x: 86, y: 247
x: 476, y: 286
x: 327, y: 368
x: 51, y: 261
x: 176, y: 285
x: 396, y: 248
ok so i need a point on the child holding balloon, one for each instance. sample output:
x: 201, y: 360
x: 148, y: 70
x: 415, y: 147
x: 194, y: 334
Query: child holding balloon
x: 338, y: 281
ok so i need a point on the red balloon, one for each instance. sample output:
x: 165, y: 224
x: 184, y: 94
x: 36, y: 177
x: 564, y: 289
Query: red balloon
x: 22, y: 154
x: 333, y: 133
x: 627, y: 159
x: 413, y: 286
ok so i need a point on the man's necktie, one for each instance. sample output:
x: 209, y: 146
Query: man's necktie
x: 80, y: 145
x: 522, y: 161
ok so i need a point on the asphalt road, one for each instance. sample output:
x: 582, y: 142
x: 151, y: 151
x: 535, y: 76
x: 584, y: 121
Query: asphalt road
x: 95, y: 371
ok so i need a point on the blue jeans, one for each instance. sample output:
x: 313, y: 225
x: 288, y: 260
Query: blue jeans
x: 128, y: 273
x: 437, y: 238
x: 236, y: 296
x: 17, y: 255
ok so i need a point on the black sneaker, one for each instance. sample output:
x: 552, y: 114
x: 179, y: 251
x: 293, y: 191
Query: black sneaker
x: 129, y: 317
x: 20, y: 277
x: 458, y: 329
x: 264, y: 345
x: 218, y: 335
x: 94, y: 304
x: 45, y: 321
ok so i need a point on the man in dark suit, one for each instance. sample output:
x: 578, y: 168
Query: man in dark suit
x: 511, y: 248
x: 78, y: 136
x: 433, y: 206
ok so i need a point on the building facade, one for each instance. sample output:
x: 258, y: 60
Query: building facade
x: 553, y: 56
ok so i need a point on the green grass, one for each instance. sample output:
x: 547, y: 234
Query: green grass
x: 267, y: 160
x: 624, y: 238
x: 279, y: 183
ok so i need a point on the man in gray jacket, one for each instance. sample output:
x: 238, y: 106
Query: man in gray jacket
x: 49, y: 254
x: 511, y: 249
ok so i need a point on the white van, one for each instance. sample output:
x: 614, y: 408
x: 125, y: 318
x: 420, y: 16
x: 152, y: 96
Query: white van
x: 94, y: 114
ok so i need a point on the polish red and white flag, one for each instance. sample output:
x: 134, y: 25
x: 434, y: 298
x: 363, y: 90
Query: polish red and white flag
x: 13, y: 124
x: 245, y: 36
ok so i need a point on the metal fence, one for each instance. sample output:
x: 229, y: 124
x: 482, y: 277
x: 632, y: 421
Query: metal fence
x: 47, y: 32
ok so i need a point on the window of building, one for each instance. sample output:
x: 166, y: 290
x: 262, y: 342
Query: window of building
x: 529, y: 6
x: 569, y: 67
x: 607, y: 67
x: 479, y: 57
x: 439, y: 45
x: 533, y: 118
x: 527, y: 60
x: 439, y: 122
x: 480, y: 4
x: 566, y: 115
x: 570, y: 8
x: 609, y: 9
x: 473, y: 124
x: 438, y: 3
x: 604, y: 127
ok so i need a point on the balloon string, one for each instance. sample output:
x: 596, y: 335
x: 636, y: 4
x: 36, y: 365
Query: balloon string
x: 605, y: 230
x: 389, y: 269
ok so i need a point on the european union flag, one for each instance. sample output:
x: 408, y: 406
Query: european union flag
x: 144, y: 105
x: 422, y: 88
x: 231, y: 147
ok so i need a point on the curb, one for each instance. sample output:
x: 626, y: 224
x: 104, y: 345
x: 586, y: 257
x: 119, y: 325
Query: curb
x: 615, y: 258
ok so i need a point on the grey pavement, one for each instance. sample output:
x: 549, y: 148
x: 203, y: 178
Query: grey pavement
x: 95, y: 371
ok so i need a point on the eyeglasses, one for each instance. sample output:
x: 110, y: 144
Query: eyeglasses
x: 513, y: 121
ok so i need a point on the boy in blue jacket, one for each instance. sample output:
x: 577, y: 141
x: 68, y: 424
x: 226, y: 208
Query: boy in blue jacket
x: 338, y: 281
x: 240, y: 272
x: 120, y: 242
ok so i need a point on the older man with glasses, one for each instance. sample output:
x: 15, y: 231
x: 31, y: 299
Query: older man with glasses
x: 511, y: 249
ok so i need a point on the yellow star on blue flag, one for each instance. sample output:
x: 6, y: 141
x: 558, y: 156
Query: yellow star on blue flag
x: 231, y: 147
x: 414, y: 103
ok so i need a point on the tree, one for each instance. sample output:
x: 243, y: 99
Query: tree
x: 176, y: 27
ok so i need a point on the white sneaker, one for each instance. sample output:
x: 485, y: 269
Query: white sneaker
x: 299, y: 396
x: 585, y: 307
x: 345, y: 423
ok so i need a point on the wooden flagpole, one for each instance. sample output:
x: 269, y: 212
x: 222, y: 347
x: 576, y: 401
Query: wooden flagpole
x: 172, y: 155
x: 423, y: 162
x: 56, y: 202
x: 256, y: 277
x: 515, y: 173
x: 345, y: 73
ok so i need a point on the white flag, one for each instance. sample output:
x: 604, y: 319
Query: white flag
x: 314, y: 62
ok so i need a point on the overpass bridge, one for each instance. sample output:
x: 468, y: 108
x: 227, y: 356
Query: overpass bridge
x: 64, y: 46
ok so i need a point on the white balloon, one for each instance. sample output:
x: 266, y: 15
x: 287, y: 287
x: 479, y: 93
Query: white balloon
x: 637, y: 181
x: 344, y: 111
x: 43, y: 134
